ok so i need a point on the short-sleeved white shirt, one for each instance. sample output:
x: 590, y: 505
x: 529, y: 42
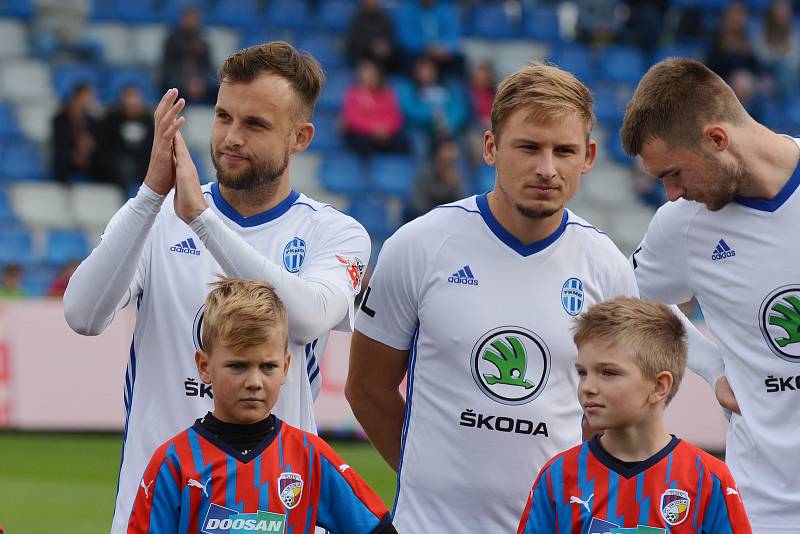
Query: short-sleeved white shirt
x: 742, y: 263
x: 491, y: 381
x: 163, y: 392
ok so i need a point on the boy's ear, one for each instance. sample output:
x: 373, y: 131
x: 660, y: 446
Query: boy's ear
x: 201, y: 360
x: 661, y: 387
x: 286, y: 362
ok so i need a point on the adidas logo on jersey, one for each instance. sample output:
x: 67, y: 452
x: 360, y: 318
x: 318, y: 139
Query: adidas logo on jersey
x: 722, y: 251
x: 463, y: 276
x: 186, y: 246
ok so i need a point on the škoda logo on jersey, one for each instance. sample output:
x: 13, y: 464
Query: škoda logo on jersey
x: 290, y: 488
x: 779, y: 320
x: 510, y: 365
x: 221, y: 520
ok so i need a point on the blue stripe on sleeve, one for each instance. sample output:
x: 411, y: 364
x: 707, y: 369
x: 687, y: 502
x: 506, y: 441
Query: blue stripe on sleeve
x: 700, y: 466
x: 716, y: 519
x: 165, y: 513
x: 542, y: 516
x: 340, y: 508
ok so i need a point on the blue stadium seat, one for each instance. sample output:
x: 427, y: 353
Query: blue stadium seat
x: 373, y: 215
x: 138, y: 11
x: 7, y: 217
x: 691, y: 52
x: 63, y: 246
x: 171, y: 9
x: 241, y: 14
x: 16, y: 246
x: 614, y: 146
x: 344, y: 174
x: 332, y: 96
x: 17, y: 8
x: 326, y: 132
x: 484, y: 179
x: 36, y: 280
x: 608, y: 106
x: 622, y: 64
x: 21, y: 161
x: 103, y: 11
x: 493, y: 21
x: 292, y: 14
x: 67, y: 75
x: 9, y: 127
x: 394, y: 175
x: 541, y: 24
x: 325, y: 47
x: 117, y: 78
x: 335, y: 15
x: 578, y: 60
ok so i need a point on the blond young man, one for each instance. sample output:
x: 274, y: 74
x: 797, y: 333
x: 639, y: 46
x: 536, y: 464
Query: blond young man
x: 631, y: 358
x: 728, y: 239
x: 473, y: 303
x: 163, y: 248
x: 240, y: 468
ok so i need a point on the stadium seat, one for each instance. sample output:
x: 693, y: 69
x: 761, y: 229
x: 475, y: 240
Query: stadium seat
x: 17, y: 8
x: 36, y: 280
x: 197, y: 130
x: 16, y: 246
x: 326, y: 48
x: 222, y: 42
x: 67, y: 75
x: 292, y: 14
x: 26, y: 80
x: 484, y: 179
x: 36, y: 119
x: 332, y: 96
x: 7, y: 217
x: 622, y: 64
x: 372, y: 213
x: 394, y: 175
x: 241, y: 14
x: 577, y: 60
x: 15, y: 39
x: 63, y: 246
x: 41, y: 204
x: 327, y: 137
x: 344, y: 174
x: 117, y: 78
x: 9, y: 127
x: 304, y: 172
x: 335, y: 15
x: 104, y: 199
x: 148, y: 44
x: 608, y: 106
x: 138, y: 11
x: 690, y: 52
x: 115, y: 41
x: 21, y: 161
x: 493, y: 21
x: 614, y: 147
x: 541, y: 24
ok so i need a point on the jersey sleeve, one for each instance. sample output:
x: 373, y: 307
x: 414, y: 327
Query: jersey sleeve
x: 539, y: 514
x: 389, y: 309
x: 725, y: 512
x: 157, y: 507
x: 347, y: 505
x: 660, y: 262
x: 624, y: 282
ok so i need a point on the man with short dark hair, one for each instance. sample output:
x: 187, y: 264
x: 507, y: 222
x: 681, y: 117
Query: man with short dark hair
x: 250, y: 224
x: 729, y: 239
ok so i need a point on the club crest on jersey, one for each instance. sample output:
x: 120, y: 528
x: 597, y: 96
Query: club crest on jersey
x: 675, y: 506
x: 221, y: 520
x: 510, y: 365
x: 290, y: 487
x: 354, y: 269
x: 572, y: 296
x: 293, y: 254
x: 779, y: 320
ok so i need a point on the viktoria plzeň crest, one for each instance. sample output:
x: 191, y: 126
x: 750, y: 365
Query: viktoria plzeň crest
x: 290, y: 488
x: 510, y: 365
x: 779, y: 320
x: 675, y: 506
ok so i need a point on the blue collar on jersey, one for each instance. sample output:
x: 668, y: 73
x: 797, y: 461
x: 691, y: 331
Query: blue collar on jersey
x: 253, y: 220
x: 629, y: 471
x: 512, y: 242
x: 777, y: 201
x: 230, y: 451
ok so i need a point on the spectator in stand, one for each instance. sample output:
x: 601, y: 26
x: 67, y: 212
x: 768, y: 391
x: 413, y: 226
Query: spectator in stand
x: 431, y: 28
x: 11, y: 287
x: 440, y: 181
x: 431, y: 109
x: 371, y: 114
x: 371, y: 36
x: 127, y: 136
x: 59, y: 29
x: 482, y: 87
x: 59, y: 284
x: 777, y: 47
x: 187, y: 61
x: 75, y: 130
x: 731, y: 48
x: 645, y: 22
x: 598, y: 21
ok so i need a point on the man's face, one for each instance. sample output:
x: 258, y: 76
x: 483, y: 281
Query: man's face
x: 694, y: 174
x: 246, y: 381
x: 539, y: 161
x: 254, y: 132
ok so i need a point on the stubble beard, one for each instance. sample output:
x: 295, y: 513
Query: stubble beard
x: 262, y: 177
x: 727, y: 184
x: 531, y: 212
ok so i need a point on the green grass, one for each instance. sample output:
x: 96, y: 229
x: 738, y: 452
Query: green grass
x: 70, y: 480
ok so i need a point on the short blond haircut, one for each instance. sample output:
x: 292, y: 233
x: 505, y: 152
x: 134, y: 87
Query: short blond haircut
x: 674, y: 101
x: 242, y: 313
x: 651, y: 331
x: 547, y: 91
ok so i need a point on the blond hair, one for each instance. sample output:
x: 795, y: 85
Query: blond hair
x: 242, y: 313
x: 674, y: 101
x: 547, y: 90
x: 650, y: 330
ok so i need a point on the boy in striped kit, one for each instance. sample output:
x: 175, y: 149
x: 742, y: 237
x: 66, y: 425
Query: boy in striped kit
x: 635, y: 478
x: 240, y: 468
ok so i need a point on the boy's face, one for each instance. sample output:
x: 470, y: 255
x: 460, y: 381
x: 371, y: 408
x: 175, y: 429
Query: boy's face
x: 611, y: 389
x: 246, y: 381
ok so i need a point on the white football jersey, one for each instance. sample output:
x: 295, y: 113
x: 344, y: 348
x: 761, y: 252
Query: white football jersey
x: 164, y: 394
x: 743, y: 265
x: 491, y: 392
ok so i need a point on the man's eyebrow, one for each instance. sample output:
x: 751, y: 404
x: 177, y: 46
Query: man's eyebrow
x: 663, y: 173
